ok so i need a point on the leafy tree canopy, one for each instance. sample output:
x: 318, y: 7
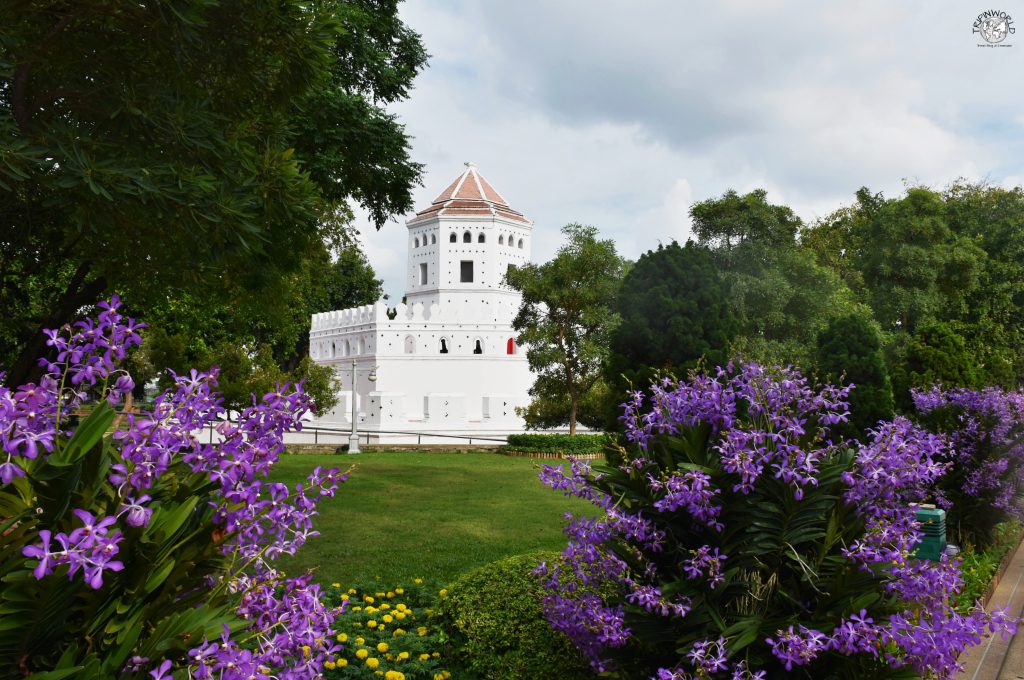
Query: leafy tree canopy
x: 851, y: 349
x: 159, y: 151
x: 567, y: 314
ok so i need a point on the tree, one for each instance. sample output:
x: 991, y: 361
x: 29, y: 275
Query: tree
x: 851, y: 349
x: 781, y: 296
x: 567, y: 314
x: 936, y: 355
x: 156, y: 152
x: 675, y: 310
x: 263, y: 337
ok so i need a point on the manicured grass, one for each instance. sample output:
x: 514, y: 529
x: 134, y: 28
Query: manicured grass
x: 403, y: 515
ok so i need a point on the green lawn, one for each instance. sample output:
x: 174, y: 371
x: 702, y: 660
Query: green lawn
x: 403, y: 515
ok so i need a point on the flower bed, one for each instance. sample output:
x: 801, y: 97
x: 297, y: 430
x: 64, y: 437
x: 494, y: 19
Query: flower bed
x: 389, y: 633
x: 582, y: 446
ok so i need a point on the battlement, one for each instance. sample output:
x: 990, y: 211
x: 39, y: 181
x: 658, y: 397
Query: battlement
x: 354, y: 316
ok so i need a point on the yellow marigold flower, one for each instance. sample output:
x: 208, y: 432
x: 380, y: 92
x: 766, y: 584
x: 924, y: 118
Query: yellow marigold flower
x: 388, y: 618
x: 400, y: 591
x: 399, y: 615
x: 436, y: 655
x: 329, y: 665
x: 335, y: 585
x: 402, y: 656
x: 382, y: 647
x: 372, y: 662
x: 417, y: 581
x: 357, y: 624
x: 398, y: 632
x: 389, y: 656
x: 368, y: 599
x: 438, y: 676
x: 342, y: 637
x: 352, y: 591
x: 345, y: 597
x: 381, y: 673
x: 394, y: 675
x: 391, y: 594
x: 360, y: 641
x: 370, y: 610
x: 401, y: 607
x: 357, y: 609
x: 446, y: 675
x: 380, y: 594
x: 362, y: 654
x: 305, y: 651
x: 341, y: 663
x: 424, y: 657
x: 385, y: 605
x: 422, y: 631
x: 371, y: 623
x: 443, y: 592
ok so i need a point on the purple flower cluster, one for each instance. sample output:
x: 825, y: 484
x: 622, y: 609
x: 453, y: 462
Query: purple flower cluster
x: 290, y: 629
x: 986, y: 434
x: 764, y: 430
x: 89, y: 548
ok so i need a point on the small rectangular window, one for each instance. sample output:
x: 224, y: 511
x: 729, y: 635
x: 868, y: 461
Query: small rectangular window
x: 423, y: 273
x: 467, y: 271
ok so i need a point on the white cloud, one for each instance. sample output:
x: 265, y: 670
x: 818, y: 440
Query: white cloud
x: 621, y: 114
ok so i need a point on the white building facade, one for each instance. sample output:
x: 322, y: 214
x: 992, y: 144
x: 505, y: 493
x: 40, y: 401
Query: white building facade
x: 447, y: 363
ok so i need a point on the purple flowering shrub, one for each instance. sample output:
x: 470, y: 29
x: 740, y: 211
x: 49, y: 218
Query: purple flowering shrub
x: 740, y: 540
x: 129, y: 547
x: 985, y: 482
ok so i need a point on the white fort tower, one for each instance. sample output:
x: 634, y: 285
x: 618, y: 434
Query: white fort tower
x: 447, y: 363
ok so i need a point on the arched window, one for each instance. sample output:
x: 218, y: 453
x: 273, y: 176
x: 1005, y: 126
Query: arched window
x: 362, y: 345
x: 453, y: 238
x: 511, y: 241
x: 480, y: 238
x: 510, y: 347
x: 501, y: 240
x: 433, y: 239
x: 416, y: 243
x: 478, y: 347
x: 520, y: 244
x: 334, y: 350
x: 467, y: 237
x: 348, y: 349
x: 444, y: 345
x: 410, y: 345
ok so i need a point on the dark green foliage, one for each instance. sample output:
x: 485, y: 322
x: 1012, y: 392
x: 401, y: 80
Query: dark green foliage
x: 567, y: 316
x: 196, y: 149
x: 497, y: 623
x: 675, y: 310
x: 851, y: 349
x: 780, y: 295
x: 550, y: 404
x: 567, y: 444
x: 937, y: 355
x: 156, y: 607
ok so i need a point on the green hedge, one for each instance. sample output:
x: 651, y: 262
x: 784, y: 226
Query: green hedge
x: 496, y: 624
x: 568, y: 444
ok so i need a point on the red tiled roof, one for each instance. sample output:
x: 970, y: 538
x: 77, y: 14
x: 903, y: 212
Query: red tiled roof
x: 470, y: 194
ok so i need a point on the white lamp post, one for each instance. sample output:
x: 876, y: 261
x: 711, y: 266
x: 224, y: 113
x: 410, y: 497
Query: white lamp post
x: 353, y: 439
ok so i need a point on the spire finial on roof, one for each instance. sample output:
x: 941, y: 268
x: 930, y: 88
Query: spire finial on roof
x: 470, y: 164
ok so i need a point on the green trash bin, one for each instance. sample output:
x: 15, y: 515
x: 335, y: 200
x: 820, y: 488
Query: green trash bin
x: 933, y: 526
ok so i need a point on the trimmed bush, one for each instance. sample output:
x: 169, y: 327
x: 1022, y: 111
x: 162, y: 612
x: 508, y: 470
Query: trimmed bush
x: 496, y: 622
x: 566, y: 444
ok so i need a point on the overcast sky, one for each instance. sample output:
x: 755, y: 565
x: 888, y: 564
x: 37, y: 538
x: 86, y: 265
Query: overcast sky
x: 622, y: 114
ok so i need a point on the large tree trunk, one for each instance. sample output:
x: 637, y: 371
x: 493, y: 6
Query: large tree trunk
x: 78, y: 293
x: 572, y: 413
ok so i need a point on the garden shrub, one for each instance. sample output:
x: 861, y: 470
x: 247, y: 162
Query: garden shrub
x: 134, y: 550
x: 497, y: 624
x: 978, y: 567
x: 740, y: 541
x: 985, y: 481
x: 565, y: 444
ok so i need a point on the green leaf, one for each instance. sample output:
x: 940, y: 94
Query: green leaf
x: 88, y: 434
